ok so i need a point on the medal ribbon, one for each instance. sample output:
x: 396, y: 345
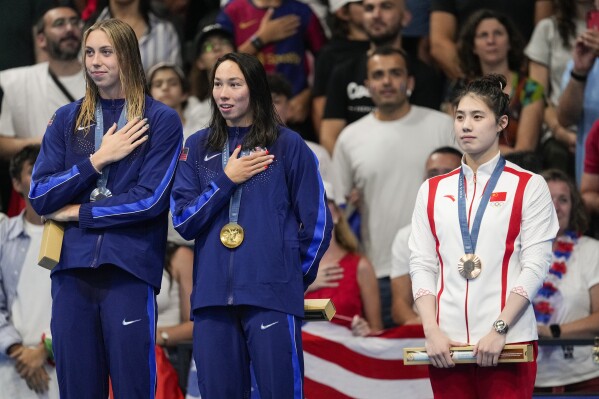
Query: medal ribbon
x: 99, y: 133
x: 470, y: 238
x: 235, y: 201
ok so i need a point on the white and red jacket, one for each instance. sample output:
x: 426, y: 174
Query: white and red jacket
x: 514, y: 245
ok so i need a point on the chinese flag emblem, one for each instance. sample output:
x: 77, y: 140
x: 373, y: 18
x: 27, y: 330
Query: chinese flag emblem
x: 498, y: 197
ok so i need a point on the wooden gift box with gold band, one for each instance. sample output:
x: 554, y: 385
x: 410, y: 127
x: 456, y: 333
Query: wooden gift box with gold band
x: 318, y: 310
x: 512, y: 353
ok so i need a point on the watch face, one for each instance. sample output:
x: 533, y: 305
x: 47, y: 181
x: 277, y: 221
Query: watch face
x: 500, y: 326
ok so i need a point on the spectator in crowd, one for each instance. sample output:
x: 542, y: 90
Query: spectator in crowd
x: 212, y: 42
x: 173, y: 325
x: 567, y: 305
x: 263, y: 214
x: 347, y: 278
x: 280, y: 90
x: 16, y: 36
x: 474, y: 273
x: 441, y: 161
x: 349, y: 41
x: 25, y: 301
x: 347, y: 97
x: 33, y: 93
x: 579, y: 103
x: 110, y: 188
x: 447, y: 16
x: 589, y: 185
x: 549, y: 51
x: 489, y: 43
x: 158, y: 39
x: 278, y: 32
x: 377, y: 155
x: 168, y: 84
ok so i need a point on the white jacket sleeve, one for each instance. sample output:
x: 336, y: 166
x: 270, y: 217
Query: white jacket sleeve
x: 424, y: 263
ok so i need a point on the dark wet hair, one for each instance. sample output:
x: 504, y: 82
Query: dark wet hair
x: 489, y: 89
x: 266, y: 121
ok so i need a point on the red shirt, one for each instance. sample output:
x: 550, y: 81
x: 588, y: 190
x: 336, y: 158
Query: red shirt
x: 591, y: 155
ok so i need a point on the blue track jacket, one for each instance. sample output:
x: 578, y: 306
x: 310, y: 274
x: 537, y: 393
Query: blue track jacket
x: 283, y: 212
x: 129, y: 228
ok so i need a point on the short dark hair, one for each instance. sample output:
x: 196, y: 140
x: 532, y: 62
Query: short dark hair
x: 40, y: 25
x: 447, y: 150
x: 579, y: 221
x: 279, y: 85
x: 387, y: 50
x: 27, y: 154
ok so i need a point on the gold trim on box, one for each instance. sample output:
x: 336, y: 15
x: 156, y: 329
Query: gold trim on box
x: 512, y: 353
x: 318, y: 309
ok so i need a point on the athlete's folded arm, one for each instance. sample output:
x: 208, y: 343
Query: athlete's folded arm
x: 53, y: 185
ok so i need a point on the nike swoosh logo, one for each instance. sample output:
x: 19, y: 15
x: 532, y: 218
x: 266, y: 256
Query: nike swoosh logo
x: 247, y: 24
x: 85, y: 127
x: 208, y: 158
x: 264, y: 327
x: 126, y: 323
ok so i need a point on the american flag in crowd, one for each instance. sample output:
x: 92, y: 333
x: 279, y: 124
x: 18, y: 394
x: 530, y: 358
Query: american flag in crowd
x: 339, y: 365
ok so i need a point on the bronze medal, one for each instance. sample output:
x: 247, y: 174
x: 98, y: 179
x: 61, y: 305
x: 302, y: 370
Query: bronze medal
x: 231, y: 235
x: 469, y: 266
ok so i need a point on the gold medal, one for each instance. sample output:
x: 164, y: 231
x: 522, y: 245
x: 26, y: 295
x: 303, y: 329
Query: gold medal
x: 231, y: 235
x: 469, y: 266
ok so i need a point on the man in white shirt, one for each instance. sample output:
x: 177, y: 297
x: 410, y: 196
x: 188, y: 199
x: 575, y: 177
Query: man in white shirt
x: 33, y: 93
x: 380, y: 157
x: 442, y: 160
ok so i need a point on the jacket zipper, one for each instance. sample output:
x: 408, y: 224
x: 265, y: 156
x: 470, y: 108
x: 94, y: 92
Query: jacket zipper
x: 97, y: 251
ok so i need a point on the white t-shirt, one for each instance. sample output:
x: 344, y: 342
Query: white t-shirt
x: 31, y: 97
x: 400, y: 251
x: 546, y: 48
x: 168, y: 302
x: 575, y: 304
x: 385, y: 162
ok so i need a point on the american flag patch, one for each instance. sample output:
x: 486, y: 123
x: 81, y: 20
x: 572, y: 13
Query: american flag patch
x: 184, y: 152
x: 497, y: 197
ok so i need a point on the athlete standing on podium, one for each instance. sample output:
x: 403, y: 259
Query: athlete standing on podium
x: 105, y: 170
x: 481, y: 247
x: 248, y: 190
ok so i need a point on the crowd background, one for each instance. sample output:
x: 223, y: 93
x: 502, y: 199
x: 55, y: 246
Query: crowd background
x: 317, y: 54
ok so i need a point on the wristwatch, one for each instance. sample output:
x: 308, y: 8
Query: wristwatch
x: 164, y: 336
x: 257, y: 43
x: 500, y: 327
x: 556, y: 330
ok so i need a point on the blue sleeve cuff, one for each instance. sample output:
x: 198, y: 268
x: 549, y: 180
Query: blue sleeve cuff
x: 85, y: 216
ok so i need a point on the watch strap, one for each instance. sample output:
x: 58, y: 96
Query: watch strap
x: 556, y: 330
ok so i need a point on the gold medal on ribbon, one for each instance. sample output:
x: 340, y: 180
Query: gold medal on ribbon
x: 469, y: 266
x: 231, y: 235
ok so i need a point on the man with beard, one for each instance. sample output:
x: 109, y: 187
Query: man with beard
x: 33, y: 93
x: 347, y: 98
x: 380, y: 157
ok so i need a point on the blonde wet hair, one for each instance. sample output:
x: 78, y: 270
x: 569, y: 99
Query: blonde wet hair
x: 131, y: 72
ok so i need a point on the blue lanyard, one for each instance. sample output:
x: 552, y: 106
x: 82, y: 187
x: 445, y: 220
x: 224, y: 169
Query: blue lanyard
x: 99, y: 133
x: 470, y: 238
x: 235, y: 201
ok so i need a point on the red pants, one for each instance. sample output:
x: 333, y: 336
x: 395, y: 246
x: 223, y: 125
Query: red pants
x: 469, y: 381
